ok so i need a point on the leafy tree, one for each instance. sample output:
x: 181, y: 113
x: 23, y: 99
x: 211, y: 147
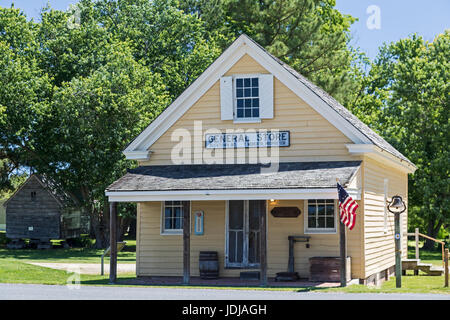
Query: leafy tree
x: 406, y: 99
x: 92, y: 120
x: 310, y: 35
x: 70, y: 101
x: 24, y: 93
x: 168, y: 41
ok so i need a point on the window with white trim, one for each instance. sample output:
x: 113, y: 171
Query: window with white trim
x: 320, y: 216
x: 172, y: 219
x: 247, y: 98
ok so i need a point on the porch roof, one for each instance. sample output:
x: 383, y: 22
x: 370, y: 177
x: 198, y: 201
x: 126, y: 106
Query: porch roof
x: 227, y: 177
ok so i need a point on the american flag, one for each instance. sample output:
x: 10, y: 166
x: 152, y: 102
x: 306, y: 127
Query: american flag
x: 347, y: 208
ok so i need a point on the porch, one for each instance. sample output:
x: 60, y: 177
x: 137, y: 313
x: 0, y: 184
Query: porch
x: 246, y: 217
x: 226, y: 282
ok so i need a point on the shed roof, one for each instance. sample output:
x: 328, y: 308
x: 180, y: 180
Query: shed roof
x: 290, y: 175
x: 51, y: 186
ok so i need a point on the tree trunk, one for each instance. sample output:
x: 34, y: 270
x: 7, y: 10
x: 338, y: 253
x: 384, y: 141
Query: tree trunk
x: 432, y: 231
x: 122, y: 227
x: 100, y: 226
x: 132, y: 231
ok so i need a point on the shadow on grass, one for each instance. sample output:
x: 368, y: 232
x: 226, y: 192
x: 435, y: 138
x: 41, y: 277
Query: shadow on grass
x: 55, y: 254
x: 134, y: 282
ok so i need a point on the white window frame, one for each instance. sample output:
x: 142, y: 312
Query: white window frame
x: 171, y: 231
x: 245, y: 120
x: 319, y: 230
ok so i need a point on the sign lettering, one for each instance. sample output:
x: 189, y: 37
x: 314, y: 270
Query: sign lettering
x: 247, y: 140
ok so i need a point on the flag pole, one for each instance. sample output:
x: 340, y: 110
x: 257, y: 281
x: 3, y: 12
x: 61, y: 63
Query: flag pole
x: 343, y: 250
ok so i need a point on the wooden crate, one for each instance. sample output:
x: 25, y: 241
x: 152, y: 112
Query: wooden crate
x: 327, y: 269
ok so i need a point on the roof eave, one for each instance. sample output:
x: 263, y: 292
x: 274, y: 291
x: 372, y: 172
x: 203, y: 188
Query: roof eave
x: 229, y: 194
x: 376, y: 153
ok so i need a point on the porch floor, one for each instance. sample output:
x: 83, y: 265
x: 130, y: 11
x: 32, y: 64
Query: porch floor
x: 225, y: 282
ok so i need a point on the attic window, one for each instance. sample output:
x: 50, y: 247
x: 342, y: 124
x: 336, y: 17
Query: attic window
x: 247, y: 98
x: 33, y: 195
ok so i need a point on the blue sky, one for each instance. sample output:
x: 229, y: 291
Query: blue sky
x: 398, y: 18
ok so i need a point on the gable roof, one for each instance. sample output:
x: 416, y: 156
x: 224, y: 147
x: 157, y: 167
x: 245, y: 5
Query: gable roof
x: 61, y: 197
x: 315, y: 96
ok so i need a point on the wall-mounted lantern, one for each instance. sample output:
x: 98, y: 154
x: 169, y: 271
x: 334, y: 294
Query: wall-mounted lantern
x: 397, y: 206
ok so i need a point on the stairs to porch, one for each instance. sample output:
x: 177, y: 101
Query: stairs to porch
x: 428, y: 268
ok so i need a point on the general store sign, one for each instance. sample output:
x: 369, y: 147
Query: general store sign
x: 247, y: 140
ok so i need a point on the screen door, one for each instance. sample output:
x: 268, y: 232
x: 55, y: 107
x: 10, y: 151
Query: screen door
x: 243, y: 232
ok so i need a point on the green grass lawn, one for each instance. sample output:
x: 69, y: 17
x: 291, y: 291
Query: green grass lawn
x: 72, y: 255
x: 434, y: 257
x: 15, y: 267
x: 410, y: 284
x: 15, y: 271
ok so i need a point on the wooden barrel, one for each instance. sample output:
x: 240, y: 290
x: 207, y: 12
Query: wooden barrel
x: 209, y: 265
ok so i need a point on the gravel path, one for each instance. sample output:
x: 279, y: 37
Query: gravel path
x: 87, y: 268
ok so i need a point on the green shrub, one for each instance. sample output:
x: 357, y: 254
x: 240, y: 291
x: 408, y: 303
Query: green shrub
x: 3, y: 239
x: 82, y: 242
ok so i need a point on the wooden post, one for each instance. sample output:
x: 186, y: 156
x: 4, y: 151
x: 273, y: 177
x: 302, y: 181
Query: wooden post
x: 113, y: 242
x: 416, y: 236
x: 186, y: 242
x: 291, y: 261
x: 398, y: 252
x: 263, y: 244
x: 446, y: 271
x: 343, y: 251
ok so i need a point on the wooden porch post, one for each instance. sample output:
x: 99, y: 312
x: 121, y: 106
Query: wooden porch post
x: 186, y: 242
x: 416, y: 238
x: 343, y: 250
x: 113, y: 242
x: 263, y: 244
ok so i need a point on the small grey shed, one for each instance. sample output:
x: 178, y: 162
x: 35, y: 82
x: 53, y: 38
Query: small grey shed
x: 40, y: 211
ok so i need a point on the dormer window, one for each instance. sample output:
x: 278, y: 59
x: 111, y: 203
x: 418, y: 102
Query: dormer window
x: 247, y: 98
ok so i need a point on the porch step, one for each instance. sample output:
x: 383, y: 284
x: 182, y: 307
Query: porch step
x: 428, y: 268
x: 287, y: 276
x: 249, y: 275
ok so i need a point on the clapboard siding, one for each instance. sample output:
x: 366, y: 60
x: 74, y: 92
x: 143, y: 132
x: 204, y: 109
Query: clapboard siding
x: 379, y: 249
x: 41, y: 214
x: 163, y: 255
x: 312, y: 137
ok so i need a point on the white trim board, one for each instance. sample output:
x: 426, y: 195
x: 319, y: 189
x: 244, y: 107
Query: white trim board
x: 250, y: 194
x: 378, y: 154
x: 243, y: 45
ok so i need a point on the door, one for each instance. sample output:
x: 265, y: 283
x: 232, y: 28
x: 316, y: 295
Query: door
x: 243, y: 233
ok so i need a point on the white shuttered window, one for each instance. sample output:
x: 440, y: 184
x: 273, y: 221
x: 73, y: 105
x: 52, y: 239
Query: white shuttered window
x: 246, y: 97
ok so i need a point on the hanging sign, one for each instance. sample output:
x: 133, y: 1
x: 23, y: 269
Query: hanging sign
x: 198, y: 227
x: 247, y: 140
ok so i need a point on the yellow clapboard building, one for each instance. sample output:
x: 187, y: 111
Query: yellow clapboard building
x: 242, y: 168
